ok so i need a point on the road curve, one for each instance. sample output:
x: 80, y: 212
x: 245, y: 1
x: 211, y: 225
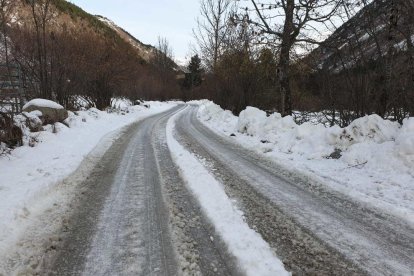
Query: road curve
x: 313, y: 230
x: 135, y: 216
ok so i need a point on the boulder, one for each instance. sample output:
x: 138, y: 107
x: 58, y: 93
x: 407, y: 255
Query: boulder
x: 51, y: 111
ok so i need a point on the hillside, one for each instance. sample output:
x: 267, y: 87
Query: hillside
x: 73, y: 17
x: 64, y: 52
x: 377, y: 29
x: 146, y: 51
x: 108, y: 27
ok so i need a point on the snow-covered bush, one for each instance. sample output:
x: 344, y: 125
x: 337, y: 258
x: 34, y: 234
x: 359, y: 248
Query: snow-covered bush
x: 33, y: 121
x: 4, y: 150
x: 369, y: 128
x: 10, y: 133
x: 93, y: 112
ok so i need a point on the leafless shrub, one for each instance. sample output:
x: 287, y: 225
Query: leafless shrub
x: 10, y: 134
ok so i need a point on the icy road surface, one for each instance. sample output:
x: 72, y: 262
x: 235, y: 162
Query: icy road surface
x: 312, y: 229
x: 171, y: 197
x: 137, y: 216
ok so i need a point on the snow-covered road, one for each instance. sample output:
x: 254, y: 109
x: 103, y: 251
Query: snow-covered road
x: 339, y: 234
x: 137, y: 216
x: 121, y: 225
x: 172, y: 197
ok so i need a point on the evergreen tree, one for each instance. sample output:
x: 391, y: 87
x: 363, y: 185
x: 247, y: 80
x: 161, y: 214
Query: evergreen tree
x: 193, y: 78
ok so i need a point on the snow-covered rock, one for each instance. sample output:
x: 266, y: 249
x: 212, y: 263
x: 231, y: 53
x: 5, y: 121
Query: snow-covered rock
x: 51, y: 111
x: 42, y: 103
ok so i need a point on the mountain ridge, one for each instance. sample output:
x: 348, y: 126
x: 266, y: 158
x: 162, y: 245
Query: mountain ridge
x: 365, y: 37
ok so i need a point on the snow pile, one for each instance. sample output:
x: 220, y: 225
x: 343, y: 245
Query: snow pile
x: 251, y: 121
x: 314, y: 141
x: 121, y: 104
x: 405, y: 141
x: 369, y: 128
x: 32, y: 176
x: 275, y: 123
x: 372, y: 159
x: 252, y: 253
x: 212, y: 112
x: 197, y: 102
x: 43, y: 103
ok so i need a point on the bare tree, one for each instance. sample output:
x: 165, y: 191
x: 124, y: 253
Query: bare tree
x: 163, y: 58
x: 41, y: 16
x: 6, y: 12
x: 212, y: 28
x: 298, y: 19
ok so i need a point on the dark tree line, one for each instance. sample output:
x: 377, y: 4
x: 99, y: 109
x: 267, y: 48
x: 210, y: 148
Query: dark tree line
x: 274, y: 55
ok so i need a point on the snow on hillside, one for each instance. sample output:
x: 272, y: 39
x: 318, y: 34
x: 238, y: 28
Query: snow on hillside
x: 145, y: 51
x: 371, y: 160
x: 32, y: 179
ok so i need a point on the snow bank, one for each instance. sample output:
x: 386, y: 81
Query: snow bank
x: 369, y: 128
x: 251, y: 121
x: 43, y: 103
x: 30, y: 176
x: 212, y: 112
x: 405, y: 141
x: 308, y: 138
x: 252, y: 253
x: 371, y: 160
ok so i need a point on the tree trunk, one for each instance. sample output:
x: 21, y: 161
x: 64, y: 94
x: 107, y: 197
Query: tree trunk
x: 284, y: 60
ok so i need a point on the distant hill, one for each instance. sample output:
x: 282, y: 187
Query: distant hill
x: 368, y: 35
x: 146, y: 51
x: 75, y: 17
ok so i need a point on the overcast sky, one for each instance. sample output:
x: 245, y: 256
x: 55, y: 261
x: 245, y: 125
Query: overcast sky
x: 147, y: 19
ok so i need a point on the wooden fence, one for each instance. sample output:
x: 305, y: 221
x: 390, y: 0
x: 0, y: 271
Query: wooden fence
x: 12, y: 90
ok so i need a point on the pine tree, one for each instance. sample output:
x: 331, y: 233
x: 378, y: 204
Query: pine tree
x: 193, y: 78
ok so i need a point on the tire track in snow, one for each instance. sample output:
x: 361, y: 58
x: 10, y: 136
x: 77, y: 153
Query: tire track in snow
x: 129, y: 221
x: 322, y: 231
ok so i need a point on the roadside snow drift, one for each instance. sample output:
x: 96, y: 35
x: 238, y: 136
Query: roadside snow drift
x: 31, y: 177
x: 371, y: 160
x: 252, y: 253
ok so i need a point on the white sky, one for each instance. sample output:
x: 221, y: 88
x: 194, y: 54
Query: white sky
x: 148, y: 19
